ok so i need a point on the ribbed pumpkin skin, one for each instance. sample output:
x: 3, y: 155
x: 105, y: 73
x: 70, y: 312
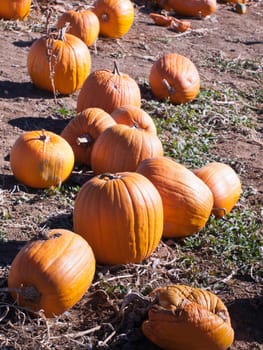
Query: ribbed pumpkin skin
x: 120, y: 215
x: 186, y: 318
x: 41, y: 159
x: 83, y: 24
x: 60, y: 268
x: 108, y: 90
x: 182, y: 77
x: 122, y: 148
x: 224, y: 183
x: 194, y: 8
x: 187, y: 201
x: 15, y: 9
x: 134, y: 117
x: 115, y: 16
x: 72, y: 64
x: 89, y: 124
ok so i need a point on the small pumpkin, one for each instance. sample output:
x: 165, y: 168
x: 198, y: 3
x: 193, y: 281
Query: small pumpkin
x: 15, y: 9
x: 83, y: 130
x: 41, y: 159
x: 120, y: 215
x: 52, y: 273
x: 115, y: 16
x: 187, y: 200
x: 187, y: 318
x: 174, y: 77
x: 134, y: 117
x: 59, y: 62
x: 83, y: 23
x: 108, y: 90
x: 122, y: 148
x: 224, y: 183
x: 192, y: 8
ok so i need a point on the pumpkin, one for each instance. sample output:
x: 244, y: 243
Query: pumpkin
x: 122, y: 148
x: 174, y: 77
x: 82, y: 131
x: 115, y: 16
x: 170, y: 21
x: 52, y: 273
x: 134, y: 117
x: 187, y: 318
x: 15, y: 9
x: 192, y: 8
x: 41, y: 159
x: 108, y: 90
x: 84, y: 24
x: 120, y: 215
x: 187, y: 200
x: 59, y: 63
x: 224, y: 183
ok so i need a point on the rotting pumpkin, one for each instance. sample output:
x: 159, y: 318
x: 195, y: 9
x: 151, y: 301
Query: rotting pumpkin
x: 52, y: 273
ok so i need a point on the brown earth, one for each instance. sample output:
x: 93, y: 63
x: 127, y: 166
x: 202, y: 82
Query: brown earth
x: 225, y: 35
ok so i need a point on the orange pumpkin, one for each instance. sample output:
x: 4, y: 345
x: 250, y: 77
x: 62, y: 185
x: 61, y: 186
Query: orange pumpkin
x: 52, y: 274
x: 224, y: 183
x: 120, y: 215
x: 59, y: 63
x: 84, y: 24
x: 187, y: 200
x: 192, y: 8
x: 41, y: 159
x: 186, y: 318
x: 108, y: 90
x: 134, y: 117
x: 115, y: 16
x: 122, y: 148
x: 15, y: 9
x: 174, y: 77
x: 84, y: 129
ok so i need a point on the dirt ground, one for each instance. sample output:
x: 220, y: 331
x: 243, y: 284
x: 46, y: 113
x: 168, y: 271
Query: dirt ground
x: 225, y: 35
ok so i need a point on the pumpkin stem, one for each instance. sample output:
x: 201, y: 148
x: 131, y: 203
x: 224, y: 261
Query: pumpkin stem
x: 215, y: 210
x: 109, y: 176
x: 43, y: 137
x: 116, y: 69
x: 84, y: 139
x: 170, y: 89
x: 104, y: 17
x: 62, y: 31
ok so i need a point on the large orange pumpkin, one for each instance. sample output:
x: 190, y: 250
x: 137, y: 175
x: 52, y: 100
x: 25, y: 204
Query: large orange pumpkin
x: 120, y: 215
x: 83, y: 130
x: 41, y: 159
x: 193, y: 8
x: 59, y: 63
x: 15, y: 9
x: 108, y: 90
x: 53, y: 273
x: 186, y: 318
x: 122, y: 148
x: 187, y: 200
x: 84, y: 24
x: 115, y: 16
x: 175, y: 78
x: 224, y: 183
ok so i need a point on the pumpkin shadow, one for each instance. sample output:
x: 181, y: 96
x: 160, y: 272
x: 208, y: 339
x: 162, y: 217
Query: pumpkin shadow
x: 13, y: 89
x: 61, y: 221
x: 8, y: 251
x: 246, y: 317
x: 38, y: 123
x: 23, y: 43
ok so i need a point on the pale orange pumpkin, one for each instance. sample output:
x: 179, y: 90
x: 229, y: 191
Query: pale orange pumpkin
x: 175, y: 78
x: 108, y: 90
x: 59, y: 63
x: 52, y: 273
x: 15, y: 9
x: 186, y: 318
x: 115, y: 16
x: 83, y: 130
x: 122, y: 148
x: 187, y: 200
x: 120, y: 215
x: 224, y: 183
x: 192, y: 8
x: 41, y: 159
x: 83, y: 23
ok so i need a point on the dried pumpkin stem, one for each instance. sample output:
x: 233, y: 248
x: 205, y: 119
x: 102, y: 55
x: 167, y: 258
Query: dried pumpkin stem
x: 109, y: 176
x: 220, y: 209
x: 84, y: 139
x: 170, y: 89
x: 116, y: 69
